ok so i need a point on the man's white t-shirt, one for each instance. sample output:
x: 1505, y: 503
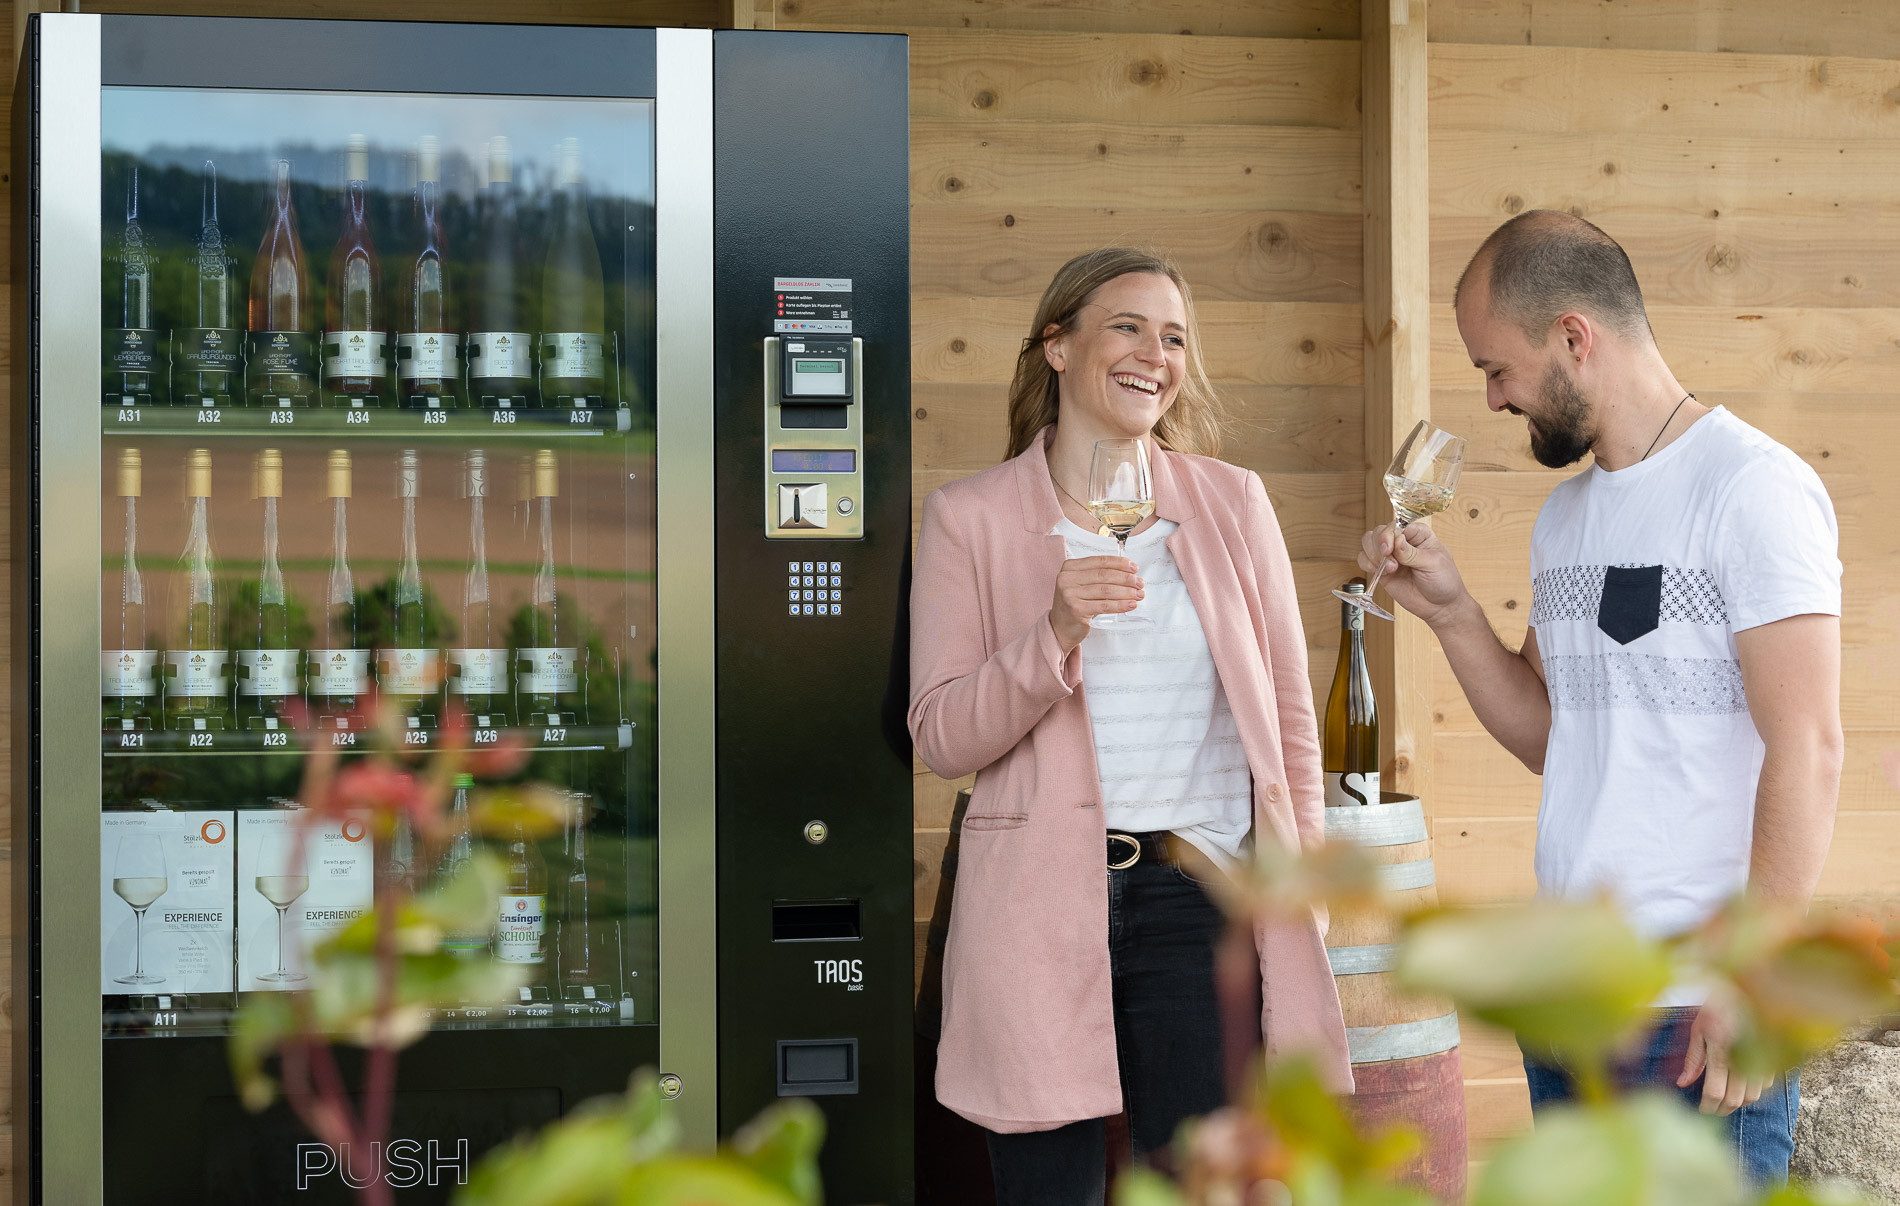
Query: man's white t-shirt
x: 1640, y: 580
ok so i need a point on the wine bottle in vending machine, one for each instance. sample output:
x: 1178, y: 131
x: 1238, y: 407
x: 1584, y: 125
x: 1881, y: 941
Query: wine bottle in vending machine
x: 206, y: 363
x: 355, y: 329
x: 478, y: 671
x: 197, y: 667
x: 337, y: 676
x: 134, y: 370
x: 1349, y: 753
x: 573, y: 296
x: 266, y: 664
x: 128, y: 667
x: 280, y: 353
x: 500, y: 348
x: 548, y: 665
x: 408, y: 671
x: 428, y: 339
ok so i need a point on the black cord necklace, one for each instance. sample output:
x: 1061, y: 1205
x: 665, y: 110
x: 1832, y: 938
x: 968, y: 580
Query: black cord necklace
x: 1665, y: 427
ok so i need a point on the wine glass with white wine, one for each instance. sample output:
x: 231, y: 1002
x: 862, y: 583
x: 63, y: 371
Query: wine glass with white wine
x: 139, y: 878
x: 1419, y: 483
x: 1121, y: 495
x: 283, y: 875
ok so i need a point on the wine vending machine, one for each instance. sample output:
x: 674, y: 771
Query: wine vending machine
x: 539, y: 388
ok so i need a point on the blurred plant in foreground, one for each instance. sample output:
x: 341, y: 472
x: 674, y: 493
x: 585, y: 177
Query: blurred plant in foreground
x: 1574, y: 982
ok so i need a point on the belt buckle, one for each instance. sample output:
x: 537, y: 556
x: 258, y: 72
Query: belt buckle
x: 1133, y: 844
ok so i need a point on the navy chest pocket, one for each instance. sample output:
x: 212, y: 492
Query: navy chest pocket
x: 1632, y: 601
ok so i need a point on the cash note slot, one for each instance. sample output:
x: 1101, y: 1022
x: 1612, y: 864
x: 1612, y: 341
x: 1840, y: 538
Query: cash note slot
x: 816, y: 921
x: 817, y: 1067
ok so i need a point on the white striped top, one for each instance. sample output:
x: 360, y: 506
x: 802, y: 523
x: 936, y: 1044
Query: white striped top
x: 1166, y: 744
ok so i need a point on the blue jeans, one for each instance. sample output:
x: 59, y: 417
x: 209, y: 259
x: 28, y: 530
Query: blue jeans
x: 1762, y: 1132
x: 1163, y: 931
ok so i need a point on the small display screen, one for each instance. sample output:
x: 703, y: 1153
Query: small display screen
x: 814, y: 460
x: 818, y: 366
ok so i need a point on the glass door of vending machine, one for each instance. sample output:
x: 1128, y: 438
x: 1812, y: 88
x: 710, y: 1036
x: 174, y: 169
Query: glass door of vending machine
x: 371, y: 432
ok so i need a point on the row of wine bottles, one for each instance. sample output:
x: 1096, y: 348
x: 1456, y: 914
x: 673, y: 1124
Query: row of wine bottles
x: 411, y: 340
x: 201, y: 683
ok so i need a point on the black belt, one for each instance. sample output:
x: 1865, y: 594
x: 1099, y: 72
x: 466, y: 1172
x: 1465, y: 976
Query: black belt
x: 1127, y: 849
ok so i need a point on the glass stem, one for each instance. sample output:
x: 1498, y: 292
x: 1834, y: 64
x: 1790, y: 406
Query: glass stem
x: 1398, y: 534
x: 138, y: 944
x: 280, y: 941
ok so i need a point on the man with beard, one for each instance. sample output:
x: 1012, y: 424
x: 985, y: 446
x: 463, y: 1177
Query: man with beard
x: 1679, y: 687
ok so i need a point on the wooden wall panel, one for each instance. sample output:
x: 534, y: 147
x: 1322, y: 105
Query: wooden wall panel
x: 1237, y: 18
x: 1748, y: 26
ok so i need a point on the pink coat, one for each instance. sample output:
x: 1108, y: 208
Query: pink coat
x: 1028, y: 1028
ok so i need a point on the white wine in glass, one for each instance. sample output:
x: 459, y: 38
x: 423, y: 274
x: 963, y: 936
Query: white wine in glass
x: 283, y: 876
x: 1420, y: 482
x: 139, y: 878
x: 1121, y: 495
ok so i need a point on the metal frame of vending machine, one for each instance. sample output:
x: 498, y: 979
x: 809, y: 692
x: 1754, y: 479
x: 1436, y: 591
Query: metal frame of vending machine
x: 779, y: 379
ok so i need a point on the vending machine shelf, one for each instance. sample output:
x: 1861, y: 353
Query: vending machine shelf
x: 367, y: 423
x: 138, y: 743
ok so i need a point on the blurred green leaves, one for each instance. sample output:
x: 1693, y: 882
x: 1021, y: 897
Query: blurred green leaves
x: 1646, y: 1150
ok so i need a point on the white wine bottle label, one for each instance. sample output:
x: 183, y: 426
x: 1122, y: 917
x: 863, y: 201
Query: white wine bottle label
x: 132, y: 350
x: 128, y: 673
x: 339, y: 671
x: 522, y: 928
x: 429, y: 354
x: 281, y: 353
x: 355, y: 354
x: 566, y: 354
x: 409, y: 671
x: 1350, y: 790
x: 501, y: 354
x: 206, y: 349
x: 267, y: 672
x: 196, y: 673
x: 548, y: 671
x: 478, y: 672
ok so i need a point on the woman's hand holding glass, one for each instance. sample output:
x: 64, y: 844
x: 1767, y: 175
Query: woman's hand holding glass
x: 1088, y: 587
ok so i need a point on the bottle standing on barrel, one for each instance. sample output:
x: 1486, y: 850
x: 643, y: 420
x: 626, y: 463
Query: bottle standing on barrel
x: 337, y: 678
x: 128, y: 670
x: 134, y: 370
x: 500, y: 347
x: 428, y: 340
x: 205, y: 357
x: 266, y: 667
x: 197, y: 671
x: 1350, y: 752
x: 407, y: 673
x: 478, y: 672
x: 573, y: 297
x: 547, y: 669
x: 355, y: 334
x: 280, y: 362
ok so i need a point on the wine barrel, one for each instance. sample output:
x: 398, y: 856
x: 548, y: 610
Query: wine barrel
x: 1404, y: 1048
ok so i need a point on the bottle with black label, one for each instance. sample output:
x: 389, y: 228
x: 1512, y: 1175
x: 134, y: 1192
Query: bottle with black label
x: 197, y: 668
x: 134, y: 370
x: 128, y: 667
x: 355, y: 330
x: 408, y: 672
x: 280, y: 360
x: 206, y: 357
x: 500, y: 348
x: 573, y: 297
x: 478, y: 671
x: 266, y: 666
x: 1349, y: 754
x: 548, y: 666
x: 337, y: 677
x: 428, y: 339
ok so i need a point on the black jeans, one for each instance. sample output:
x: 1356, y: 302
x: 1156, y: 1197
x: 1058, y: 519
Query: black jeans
x: 1162, y: 934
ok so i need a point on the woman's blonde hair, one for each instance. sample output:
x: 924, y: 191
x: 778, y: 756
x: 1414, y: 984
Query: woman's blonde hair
x: 1195, y: 421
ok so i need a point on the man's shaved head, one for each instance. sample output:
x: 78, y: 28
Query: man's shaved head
x: 1544, y: 263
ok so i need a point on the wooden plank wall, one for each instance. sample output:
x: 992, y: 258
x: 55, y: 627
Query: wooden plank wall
x: 1755, y: 191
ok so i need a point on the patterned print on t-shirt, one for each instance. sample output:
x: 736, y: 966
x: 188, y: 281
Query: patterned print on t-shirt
x: 1574, y: 592
x: 1616, y: 678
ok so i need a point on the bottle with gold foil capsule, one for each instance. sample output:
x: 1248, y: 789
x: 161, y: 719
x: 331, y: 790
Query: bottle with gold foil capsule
x: 478, y: 672
x: 408, y: 673
x: 336, y: 677
x: 267, y: 669
x: 128, y: 666
x: 197, y: 667
x: 547, y: 667
x: 1349, y: 749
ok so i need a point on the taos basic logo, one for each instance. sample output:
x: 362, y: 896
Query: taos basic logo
x: 353, y: 830
x: 403, y: 1165
x: 212, y: 831
x: 848, y: 972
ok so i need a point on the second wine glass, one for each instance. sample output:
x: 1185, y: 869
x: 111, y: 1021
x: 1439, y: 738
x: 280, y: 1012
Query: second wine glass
x: 139, y: 878
x: 1121, y: 495
x: 283, y: 875
x: 1419, y: 482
